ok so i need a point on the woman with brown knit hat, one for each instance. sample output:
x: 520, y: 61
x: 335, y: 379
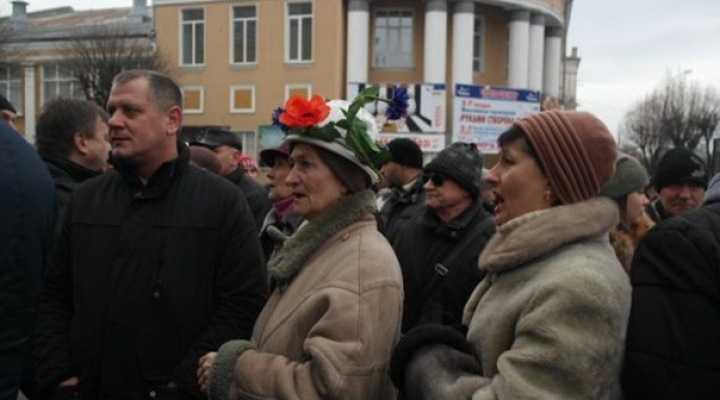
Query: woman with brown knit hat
x: 548, y: 320
x: 627, y: 189
x: 329, y: 326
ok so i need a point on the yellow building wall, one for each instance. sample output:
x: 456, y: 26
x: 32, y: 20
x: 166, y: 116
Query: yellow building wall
x: 270, y: 74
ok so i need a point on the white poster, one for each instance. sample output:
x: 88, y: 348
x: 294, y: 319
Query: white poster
x: 429, y: 143
x: 482, y: 113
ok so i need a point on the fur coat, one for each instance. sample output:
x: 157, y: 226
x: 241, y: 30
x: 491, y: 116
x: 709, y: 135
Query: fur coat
x: 548, y: 320
x: 328, y: 329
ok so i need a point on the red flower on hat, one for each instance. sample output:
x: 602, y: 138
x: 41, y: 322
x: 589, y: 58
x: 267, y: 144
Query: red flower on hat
x: 300, y: 112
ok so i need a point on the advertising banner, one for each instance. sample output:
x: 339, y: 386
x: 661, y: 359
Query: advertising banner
x: 426, y: 111
x: 482, y: 113
x: 429, y: 143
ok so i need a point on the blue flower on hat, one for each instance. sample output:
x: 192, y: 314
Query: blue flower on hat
x: 276, y: 119
x: 398, y: 104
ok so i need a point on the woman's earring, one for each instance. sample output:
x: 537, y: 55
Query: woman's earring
x: 548, y: 195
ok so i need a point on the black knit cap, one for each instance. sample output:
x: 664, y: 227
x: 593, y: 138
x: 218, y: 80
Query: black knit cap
x: 405, y: 151
x: 6, y: 105
x: 461, y: 162
x: 680, y: 165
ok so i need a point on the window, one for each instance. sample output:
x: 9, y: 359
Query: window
x: 242, y: 99
x: 244, y: 42
x: 299, y: 89
x: 10, y: 85
x: 192, y: 41
x: 299, y: 32
x: 59, y: 81
x: 393, y: 46
x: 193, y: 99
x: 479, y: 45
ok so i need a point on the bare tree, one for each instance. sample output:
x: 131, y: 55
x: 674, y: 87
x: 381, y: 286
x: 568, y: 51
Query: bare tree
x: 96, y: 54
x: 676, y: 114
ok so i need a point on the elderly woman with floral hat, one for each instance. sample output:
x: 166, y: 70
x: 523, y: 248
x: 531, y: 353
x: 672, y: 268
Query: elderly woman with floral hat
x: 548, y: 320
x: 328, y: 329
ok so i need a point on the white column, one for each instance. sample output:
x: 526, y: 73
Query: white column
x: 358, y: 39
x: 537, y: 52
x: 519, y: 49
x: 462, y: 42
x: 553, y: 55
x: 435, y: 54
x: 29, y: 105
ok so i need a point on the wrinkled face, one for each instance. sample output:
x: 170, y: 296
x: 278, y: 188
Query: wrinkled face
x: 98, y: 146
x: 279, y: 190
x: 635, y: 206
x: 314, y: 185
x: 517, y: 182
x: 681, y: 197
x: 391, y: 173
x: 228, y: 158
x: 442, y: 193
x: 139, y: 132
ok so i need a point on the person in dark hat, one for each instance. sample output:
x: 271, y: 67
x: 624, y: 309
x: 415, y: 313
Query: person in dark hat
x: 680, y: 180
x: 281, y: 217
x: 7, y: 112
x: 228, y: 147
x: 451, y: 220
x: 402, y: 176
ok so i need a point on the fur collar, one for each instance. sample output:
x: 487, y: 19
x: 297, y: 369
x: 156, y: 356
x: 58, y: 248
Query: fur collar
x: 535, y: 234
x: 298, y: 248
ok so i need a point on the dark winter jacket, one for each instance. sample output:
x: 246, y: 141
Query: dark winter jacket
x: 656, y: 211
x: 673, y: 340
x: 400, y: 206
x: 425, y: 241
x: 255, y: 194
x: 66, y: 175
x: 145, y: 280
x: 27, y: 218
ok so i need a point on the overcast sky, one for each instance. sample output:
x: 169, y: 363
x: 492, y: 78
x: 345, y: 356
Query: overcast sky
x: 627, y: 47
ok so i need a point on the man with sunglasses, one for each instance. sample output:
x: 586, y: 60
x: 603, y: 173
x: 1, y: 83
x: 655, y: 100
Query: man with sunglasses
x: 439, y: 247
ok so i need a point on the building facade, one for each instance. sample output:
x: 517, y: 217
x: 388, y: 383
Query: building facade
x: 36, y: 46
x: 238, y: 60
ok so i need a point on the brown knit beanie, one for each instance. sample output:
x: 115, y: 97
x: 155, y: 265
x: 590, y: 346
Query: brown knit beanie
x: 576, y: 151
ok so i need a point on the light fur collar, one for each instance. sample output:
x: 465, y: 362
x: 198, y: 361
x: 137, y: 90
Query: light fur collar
x: 537, y: 233
x: 299, y: 247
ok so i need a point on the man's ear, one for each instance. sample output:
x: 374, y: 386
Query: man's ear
x: 80, y: 143
x: 175, y: 117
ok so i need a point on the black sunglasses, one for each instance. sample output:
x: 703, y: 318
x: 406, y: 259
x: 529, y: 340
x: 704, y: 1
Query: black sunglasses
x: 437, y: 179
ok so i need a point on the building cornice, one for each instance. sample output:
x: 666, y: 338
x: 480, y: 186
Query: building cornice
x: 554, y: 17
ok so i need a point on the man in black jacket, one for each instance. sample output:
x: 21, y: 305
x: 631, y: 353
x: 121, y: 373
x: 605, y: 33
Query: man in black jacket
x: 438, y: 249
x: 27, y: 217
x: 72, y: 138
x: 155, y: 265
x: 228, y: 148
x: 680, y: 181
x: 673, y: 338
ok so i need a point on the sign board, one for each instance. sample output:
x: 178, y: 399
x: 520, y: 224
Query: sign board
x: 426, y: 111
x: 482, y: 113
x: 429, y: 143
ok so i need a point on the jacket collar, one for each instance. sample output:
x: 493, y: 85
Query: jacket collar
x: 160, y: 181
x: 299, y: 247
x: 59, y: 166
x: 538, y: 233
x: 236, y: 176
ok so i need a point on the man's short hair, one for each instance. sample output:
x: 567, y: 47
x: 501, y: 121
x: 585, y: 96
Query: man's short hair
x: 164, y: 92
x: 61, y: 119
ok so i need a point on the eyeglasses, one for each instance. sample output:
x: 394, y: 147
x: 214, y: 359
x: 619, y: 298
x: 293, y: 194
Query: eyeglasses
x: 437, y: 179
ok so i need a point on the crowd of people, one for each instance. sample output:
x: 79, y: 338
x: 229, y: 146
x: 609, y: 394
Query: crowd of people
x: 138, y: 266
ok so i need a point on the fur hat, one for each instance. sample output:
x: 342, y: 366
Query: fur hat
x: 461, y: 162
x: 680, y: 165
x: 575, y: 149
x: 630, y: 176
x: 405, y: 151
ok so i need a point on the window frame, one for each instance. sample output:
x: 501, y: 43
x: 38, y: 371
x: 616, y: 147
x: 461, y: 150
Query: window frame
x: 413, y: 27
x: 291, y: 86
x: 253, y: 95
x: 287, y: 35
x: 181, y: 38
x: 244, y: 20
x: 7, y: 78
x: 480, y: 58
x: 57, y: 79
x: 200, y: 110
